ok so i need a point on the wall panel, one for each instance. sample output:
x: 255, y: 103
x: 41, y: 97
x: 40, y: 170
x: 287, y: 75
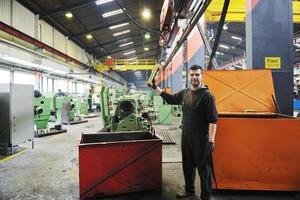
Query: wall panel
x: 46, y: 32
x: 59, y: 41
x: 5, y: 11
x: 19, y: 14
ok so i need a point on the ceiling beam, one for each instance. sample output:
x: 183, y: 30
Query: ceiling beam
x: 65, y: 8
x: 114, y: 41
x: 126, y: 49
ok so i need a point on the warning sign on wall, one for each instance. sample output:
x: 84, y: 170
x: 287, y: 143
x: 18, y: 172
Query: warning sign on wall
x: 272, y: 62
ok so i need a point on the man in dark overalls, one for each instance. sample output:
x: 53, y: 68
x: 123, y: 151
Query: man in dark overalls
x: 198, y: 132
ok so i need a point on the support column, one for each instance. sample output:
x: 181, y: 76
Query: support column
x: 269, y: 34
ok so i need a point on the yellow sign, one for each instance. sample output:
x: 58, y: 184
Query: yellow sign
x: 272, y: 62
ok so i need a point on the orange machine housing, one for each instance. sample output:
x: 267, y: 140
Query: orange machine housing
x: 256, y: 148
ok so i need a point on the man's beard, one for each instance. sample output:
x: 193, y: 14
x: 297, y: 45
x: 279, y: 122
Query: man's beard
x: 195, y: 83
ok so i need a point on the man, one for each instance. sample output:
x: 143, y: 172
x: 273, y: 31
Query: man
x: 198, y: 132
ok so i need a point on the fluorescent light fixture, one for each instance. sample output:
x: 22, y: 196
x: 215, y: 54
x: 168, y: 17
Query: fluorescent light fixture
x: 147, y: 36
x: 225, y: 27
x: 119, y: 25
x: 26, y: 63
x: 297, y: 49
x: 236, y: 38
x: 224, y: 46
x: 130, y: 52
x: 112, y: 13
x: 126, y: 44
x: 89, y: 36
x: 121, y: 33
x: 146, y: 49
x: 219, y: 53
x: 69, y: 15
x: 133, y: 58
x: 99, y: 2
x: 58, y: 72
x: 146, y: 13
x: 108, y: 57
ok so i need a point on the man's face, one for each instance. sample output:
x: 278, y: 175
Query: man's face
x: 195, y: 77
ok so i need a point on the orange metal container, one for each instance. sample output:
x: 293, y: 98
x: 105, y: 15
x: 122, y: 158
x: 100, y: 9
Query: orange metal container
x: 256, y: 148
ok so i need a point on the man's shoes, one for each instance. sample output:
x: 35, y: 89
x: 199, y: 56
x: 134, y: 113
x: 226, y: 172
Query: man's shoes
x: 183, y: 195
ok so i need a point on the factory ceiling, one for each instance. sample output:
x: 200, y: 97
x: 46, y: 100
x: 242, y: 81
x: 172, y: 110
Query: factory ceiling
x: 95, y: 28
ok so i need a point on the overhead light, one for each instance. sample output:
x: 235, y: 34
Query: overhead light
x: 126, y: 44
x: 25, y: 63
x: 146, y: 49
x: 121, y: 33
x: 225, y: 27
x: 59, y: 72
x: 99, y: 2
x: 108, y: 57
x: 133, y: 58
x: 89, y: 36
x: 236, y: 38
x: 130, y: 52
x: 119, y: 25
x: 219, y: 53
x: 146, y: 13
x: 147, y: 36
x: 69, y: 15
x: 112, y: 13
x: 224, y: 46
x: 297, y: 49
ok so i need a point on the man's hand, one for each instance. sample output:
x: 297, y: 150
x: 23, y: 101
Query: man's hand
x: 153, y: 85
x: 211, y: 146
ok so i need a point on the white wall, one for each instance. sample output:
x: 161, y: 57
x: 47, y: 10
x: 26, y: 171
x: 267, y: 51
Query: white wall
x: 23, y: 19
x: 5, y: 9
x: 45, y: 33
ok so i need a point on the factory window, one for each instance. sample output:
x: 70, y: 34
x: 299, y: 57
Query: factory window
x: 63, y: 85
x: 50, y: 85
x: 4, y: 76
x: 45, y: 84
x: 80, y: 88
x: 24, y: 78
x: 55, y: 85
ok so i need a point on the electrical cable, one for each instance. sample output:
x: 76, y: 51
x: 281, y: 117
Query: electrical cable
x: 137, y: 24
x: 219, y: 31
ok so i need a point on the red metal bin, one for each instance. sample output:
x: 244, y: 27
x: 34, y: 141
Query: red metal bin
x: 117, y: 163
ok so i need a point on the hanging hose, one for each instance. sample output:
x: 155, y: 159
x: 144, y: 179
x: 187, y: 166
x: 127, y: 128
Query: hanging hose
x: 137, y: 24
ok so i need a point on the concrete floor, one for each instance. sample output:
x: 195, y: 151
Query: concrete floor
x: 50, y: 171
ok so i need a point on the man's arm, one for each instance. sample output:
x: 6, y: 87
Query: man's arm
x: 173, y: 99
x: 212, y: 132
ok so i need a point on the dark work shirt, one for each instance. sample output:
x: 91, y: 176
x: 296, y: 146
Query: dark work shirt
x: 199, y: 110
x: 198, y: 107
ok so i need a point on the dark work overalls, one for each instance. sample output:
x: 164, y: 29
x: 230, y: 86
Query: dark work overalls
x: 198, y: 111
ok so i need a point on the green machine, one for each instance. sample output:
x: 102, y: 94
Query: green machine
x: 177, y: 110
x: 83, y: 106
x: 127, y: 115
x: 42, y: 112
x: 69, y: 111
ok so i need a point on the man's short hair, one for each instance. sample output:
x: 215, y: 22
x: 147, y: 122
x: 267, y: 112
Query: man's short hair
x: 196, y: 67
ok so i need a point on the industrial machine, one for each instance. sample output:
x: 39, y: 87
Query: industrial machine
x: 176, y: 110
x: 69, y: 111
x: 42, y: 113
x: 129, y: 113
x: 257, y: 147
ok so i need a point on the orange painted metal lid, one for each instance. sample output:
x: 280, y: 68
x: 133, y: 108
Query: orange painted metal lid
x: 247, y: 91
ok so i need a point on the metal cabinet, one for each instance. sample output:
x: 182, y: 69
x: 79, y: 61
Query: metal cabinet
x: 16, y: 115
